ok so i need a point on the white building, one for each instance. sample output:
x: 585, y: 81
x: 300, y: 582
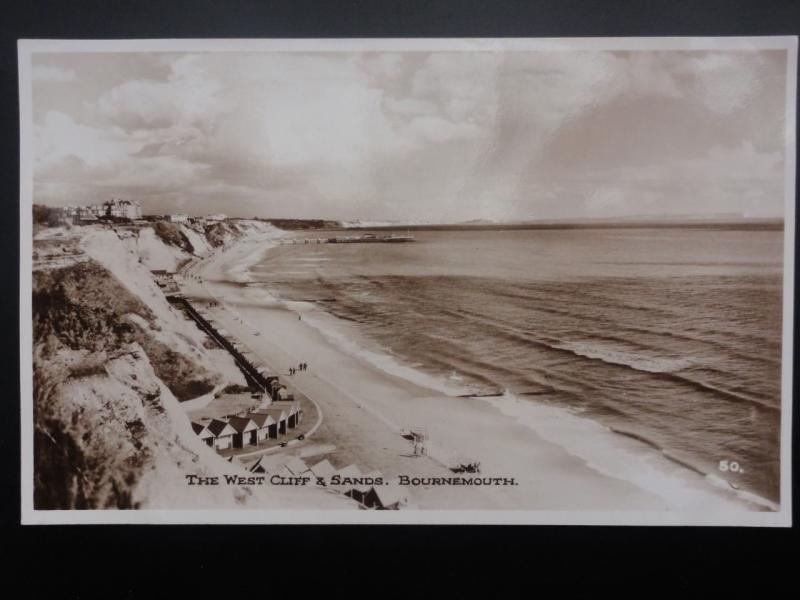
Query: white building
x: 178, y: 218
x: 217, y: 217
x: 123, y: 209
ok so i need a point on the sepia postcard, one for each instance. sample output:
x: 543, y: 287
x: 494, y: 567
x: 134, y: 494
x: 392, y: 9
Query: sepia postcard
x: 372, y: 281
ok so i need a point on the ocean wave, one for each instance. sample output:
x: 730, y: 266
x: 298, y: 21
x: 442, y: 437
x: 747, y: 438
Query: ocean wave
x: 342, y: 339
x: 674, y: 362
x: 584, y: 438
x: 641, y: 461
x: 663, y: 368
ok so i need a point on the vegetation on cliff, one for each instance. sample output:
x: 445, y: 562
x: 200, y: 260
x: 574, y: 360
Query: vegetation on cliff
x: 88, y: 430
x: 111, y: 362
x: 172, y: 235
x: 84, y: 307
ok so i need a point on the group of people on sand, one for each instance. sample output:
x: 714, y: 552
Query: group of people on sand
x: 300, y: 367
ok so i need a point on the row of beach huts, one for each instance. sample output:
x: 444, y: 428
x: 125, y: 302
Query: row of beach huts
x: 369, y: 489
x: 250, y: 428
x: 278, y: 411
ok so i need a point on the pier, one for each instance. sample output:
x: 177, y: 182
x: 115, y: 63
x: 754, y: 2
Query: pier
x: 367, y: 238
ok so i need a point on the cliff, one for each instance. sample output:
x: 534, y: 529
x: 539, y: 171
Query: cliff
x: 112, y: 362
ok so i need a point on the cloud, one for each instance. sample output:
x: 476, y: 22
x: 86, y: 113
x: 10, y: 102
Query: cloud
x: 59, y: 136
x: 726, y: 83
x: 44, y: 73
x: 187, y: 96
x: 442, y: 135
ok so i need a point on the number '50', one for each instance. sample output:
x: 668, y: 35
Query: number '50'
x: 730, y: 465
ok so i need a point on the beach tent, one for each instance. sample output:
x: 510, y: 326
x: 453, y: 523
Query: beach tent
x: 284, y: 472
x: 359, y: 492
x: 223, y: 434
x: 246, y: 431
x: 258, y: 467
x: 264, y: 422
x: 206, y: 436
x: 281, y: 420
x: 349, y: 472
x: 323, y: 469
x: 296, y: 466
x: 386, y: 497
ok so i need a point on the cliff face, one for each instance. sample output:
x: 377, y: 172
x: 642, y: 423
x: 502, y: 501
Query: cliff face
x: 112, y: 361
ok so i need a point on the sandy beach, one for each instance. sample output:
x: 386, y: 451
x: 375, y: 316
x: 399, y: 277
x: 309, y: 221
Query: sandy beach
x: 364, y: 409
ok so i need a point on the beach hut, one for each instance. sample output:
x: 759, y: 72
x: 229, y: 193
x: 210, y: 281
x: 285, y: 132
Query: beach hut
x: 323, y: 469
x: 246, y: 431
x: 206, y: 436
x: 223, y: 434
x: 296, y: 466
x: 264, y: 422
x: 280, y: 418
x: 292, y: 410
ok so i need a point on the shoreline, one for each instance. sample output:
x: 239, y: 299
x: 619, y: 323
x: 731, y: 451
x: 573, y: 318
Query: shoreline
x: 364, y: 406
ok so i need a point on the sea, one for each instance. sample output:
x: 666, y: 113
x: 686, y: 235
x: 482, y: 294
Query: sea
x: 668, y: 336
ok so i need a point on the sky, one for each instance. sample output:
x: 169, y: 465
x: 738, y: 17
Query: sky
x: 414, y: 136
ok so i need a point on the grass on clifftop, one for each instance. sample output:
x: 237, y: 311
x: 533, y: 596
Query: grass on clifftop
x: 84, y: 307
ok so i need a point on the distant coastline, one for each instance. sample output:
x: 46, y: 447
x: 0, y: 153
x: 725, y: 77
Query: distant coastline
x: 730, y: 225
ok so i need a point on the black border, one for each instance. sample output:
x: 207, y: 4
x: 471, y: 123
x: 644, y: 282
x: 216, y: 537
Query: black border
x: 121, y: 560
